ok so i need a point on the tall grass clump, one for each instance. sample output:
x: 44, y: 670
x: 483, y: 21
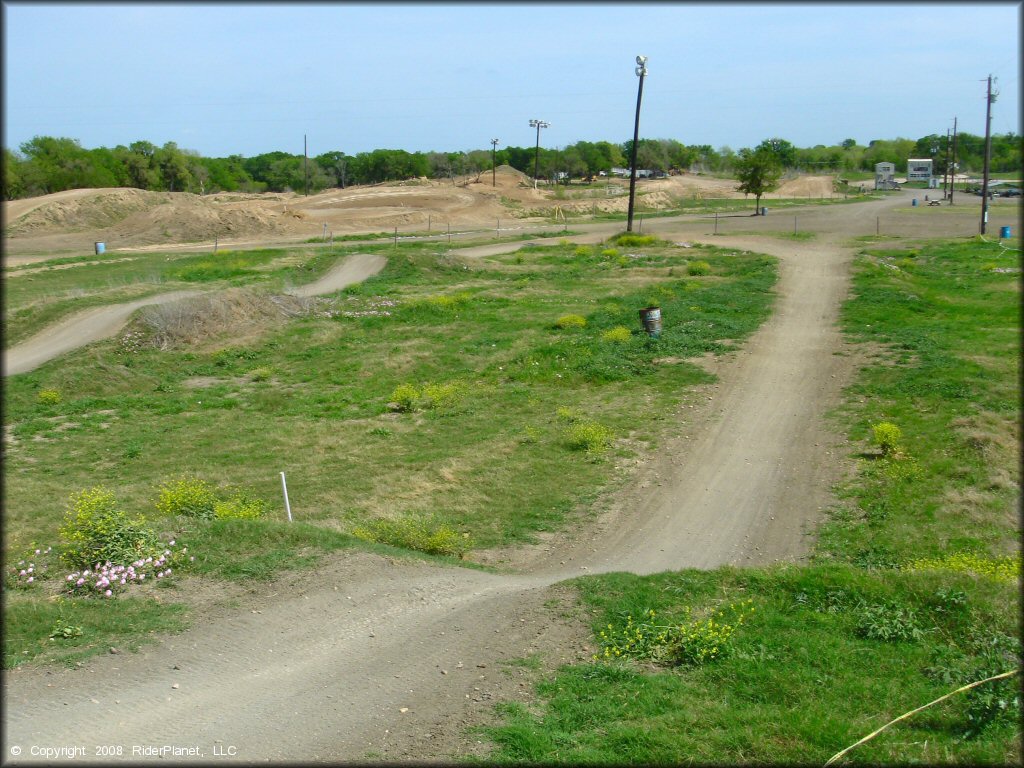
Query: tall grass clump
x: 424, y: 534
x: 566, y: 322
x: 188, y: 496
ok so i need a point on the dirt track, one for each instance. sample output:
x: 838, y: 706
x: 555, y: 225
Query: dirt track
x: 385, y: 659
x: 103, y: 322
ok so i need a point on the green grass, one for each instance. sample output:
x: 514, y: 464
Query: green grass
x: 913, y: 590
x: 486, y: 452
x: 95, y: 626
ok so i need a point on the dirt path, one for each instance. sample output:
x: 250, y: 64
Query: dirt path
x: 99, y: 323
x: 373, y: 658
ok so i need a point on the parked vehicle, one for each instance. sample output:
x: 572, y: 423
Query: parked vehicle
x: 1010, y: 192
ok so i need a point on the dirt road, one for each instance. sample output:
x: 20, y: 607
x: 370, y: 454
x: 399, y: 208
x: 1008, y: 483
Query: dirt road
x: 371, y: 658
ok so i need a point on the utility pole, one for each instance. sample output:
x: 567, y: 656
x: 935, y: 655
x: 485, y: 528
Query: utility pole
x: 305, y: 161
x: 952, y: 176
x: 988, y: 154
x: 494, y: 148
x: 946, y: 170
x: 641, y: 71
x: 538, y: 124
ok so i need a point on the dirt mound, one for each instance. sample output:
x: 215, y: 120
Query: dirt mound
x: 95, y: 210
x: 133, y: 218
x: 806, y: 186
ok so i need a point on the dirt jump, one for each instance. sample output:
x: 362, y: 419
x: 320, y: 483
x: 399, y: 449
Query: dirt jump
x: 386, y: 659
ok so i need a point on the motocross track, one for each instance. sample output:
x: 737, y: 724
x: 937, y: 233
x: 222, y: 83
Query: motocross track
x: 373, y: 658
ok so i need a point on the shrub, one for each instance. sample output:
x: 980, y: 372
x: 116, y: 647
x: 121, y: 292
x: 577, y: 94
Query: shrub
x: 1006, y: 569
x: 48, y: 397
x: 696, y: 268
x: 405, y: 397
x: 260, y: 374
x: 887, y: 437
x: 582, y: 251
x: 691, y: 642
x: 571, y: 321
x: 240, y: 506
x: 887, y: 622
x: 699, y: 641
x: 96, y: 531
x: 423, y: 534
x: 443, y: 304
x: 610, y: 253
x: 187, y: 496
x: 441, y: 395
x: 627, y: 240
x: 588, y: 436
x: 617, y: 335
x: 571, y: 415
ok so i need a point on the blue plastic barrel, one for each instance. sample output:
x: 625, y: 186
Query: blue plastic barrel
x: 914, y: 201
x: 100, y: 248
x: 764, y: 211
x: 1004, y: 233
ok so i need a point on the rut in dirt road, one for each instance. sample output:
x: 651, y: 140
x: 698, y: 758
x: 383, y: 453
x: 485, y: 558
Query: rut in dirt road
x: 382, y: 659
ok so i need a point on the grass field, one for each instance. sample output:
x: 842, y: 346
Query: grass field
x: 506, y: 393
x: 913, y: 590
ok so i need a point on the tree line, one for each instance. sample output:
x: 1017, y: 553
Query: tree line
x: 49, y: 164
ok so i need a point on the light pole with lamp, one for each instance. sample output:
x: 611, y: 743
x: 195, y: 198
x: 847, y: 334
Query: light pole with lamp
x: 641, y: 72
x: 494, y: 148
x: 538, y: 124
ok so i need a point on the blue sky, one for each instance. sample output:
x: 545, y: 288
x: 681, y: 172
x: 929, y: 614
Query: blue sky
x: 247, y: 78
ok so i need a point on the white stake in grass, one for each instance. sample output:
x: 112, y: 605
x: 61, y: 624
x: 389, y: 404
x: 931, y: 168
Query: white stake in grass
x: 287, y: 506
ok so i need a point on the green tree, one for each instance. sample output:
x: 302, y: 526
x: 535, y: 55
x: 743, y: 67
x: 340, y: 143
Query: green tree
x: 782, y: 149
x: 758, y: 172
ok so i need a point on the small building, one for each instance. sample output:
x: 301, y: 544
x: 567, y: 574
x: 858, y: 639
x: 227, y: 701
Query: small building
x: 919, y: 170
x: 885, y: 176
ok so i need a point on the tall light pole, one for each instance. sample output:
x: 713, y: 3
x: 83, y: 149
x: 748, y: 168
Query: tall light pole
x: 494, y: 148
x: 641, y: 72
x: 538, y: 124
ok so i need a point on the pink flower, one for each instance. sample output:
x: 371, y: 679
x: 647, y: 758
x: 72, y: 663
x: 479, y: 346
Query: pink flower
x: 31, y: 579
x: 172, y: 544
x: 108, y: 593
x: 80, y: 582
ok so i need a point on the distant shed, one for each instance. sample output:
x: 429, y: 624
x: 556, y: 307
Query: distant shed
x: 885, y: 176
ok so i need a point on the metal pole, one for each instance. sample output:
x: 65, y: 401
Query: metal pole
x: 641, y: 72
x: 988, y: 153
x: 494, y: 148
x: 305, y: 162
x: 945, y: 172
x: 952, y: 173
x: 287, y: 506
